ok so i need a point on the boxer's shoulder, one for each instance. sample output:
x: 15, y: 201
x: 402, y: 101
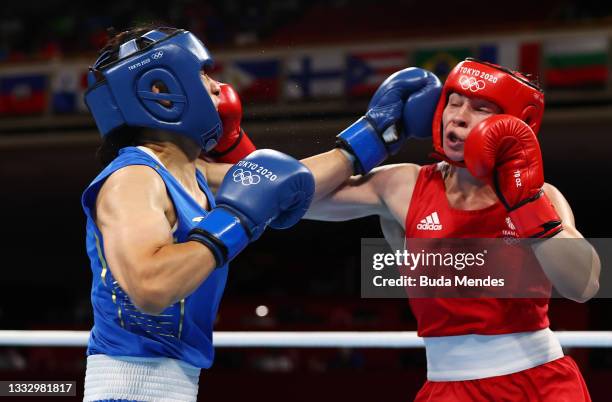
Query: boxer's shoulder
x: 128, y: 186
x: 387, y: 177
x: 134, y: 178
x: 395, y: 184
x: 397, y: 173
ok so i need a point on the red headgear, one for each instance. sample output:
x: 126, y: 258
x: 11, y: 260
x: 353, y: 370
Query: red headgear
x: 509, y: 90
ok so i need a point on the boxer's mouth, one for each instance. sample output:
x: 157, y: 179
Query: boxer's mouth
x: 454, y: 140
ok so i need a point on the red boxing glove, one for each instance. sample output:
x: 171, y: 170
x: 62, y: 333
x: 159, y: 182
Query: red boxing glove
x: 234, y: 143
x: 504, y: 151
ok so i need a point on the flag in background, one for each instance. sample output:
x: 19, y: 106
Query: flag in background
x: 315, y: 75
x: 366, y: 71
x: 440, y: 61
x: 522, y: 57
x: 256, y: 79
x: 489, y: 52
x: 577, y: 62
x: 23, y: 94
x: 65, y: 85
x: 508, y: 54
x: 530, y: 57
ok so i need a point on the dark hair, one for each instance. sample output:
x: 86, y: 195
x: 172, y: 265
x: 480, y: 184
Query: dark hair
x: 124, y: 136
x: 116, y: 39
x: 121, y: 137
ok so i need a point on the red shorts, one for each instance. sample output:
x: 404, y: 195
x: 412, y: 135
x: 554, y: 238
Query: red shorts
x: 556, y: 381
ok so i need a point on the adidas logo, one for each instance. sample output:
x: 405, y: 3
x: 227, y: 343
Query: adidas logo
x: 431, y: 222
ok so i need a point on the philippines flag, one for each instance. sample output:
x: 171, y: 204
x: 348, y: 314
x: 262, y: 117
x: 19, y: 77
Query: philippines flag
x: 23, y: 94
x: 255, y: 80
x: 366, y: 71
x: 316, y: 75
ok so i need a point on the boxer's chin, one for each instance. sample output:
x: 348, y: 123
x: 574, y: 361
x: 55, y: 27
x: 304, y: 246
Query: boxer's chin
x: 455, y: 155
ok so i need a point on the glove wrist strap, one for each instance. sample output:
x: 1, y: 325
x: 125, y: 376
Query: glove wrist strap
x: 537, y: 218
x: 223, y: 233
x: 361, y: 140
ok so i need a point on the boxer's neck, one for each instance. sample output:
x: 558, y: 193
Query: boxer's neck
x: 465, y: 191
x: 178, y: 155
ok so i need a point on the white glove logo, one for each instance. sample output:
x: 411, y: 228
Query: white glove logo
x: 471, y: 83
x: 245, y: 177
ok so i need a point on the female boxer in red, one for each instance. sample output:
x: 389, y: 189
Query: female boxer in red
x: 490, y: 180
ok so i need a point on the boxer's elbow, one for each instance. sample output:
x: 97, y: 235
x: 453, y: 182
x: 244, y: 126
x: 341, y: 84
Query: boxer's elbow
x: 150, y: 299
x: 584, y: 293
x: 149, y: 295
x: 590, y: 292
x: 592, y: 286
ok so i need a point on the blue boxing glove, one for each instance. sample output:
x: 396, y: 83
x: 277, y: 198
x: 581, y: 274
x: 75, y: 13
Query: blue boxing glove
x: 410, y: 95
x: 265, y: 188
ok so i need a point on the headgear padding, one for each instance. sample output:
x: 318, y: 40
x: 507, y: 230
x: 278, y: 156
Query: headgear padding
x: 120, y: 92
x: 509, y: 90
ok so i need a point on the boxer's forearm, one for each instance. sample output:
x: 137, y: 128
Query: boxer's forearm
x: 330, y: 170
x: 571, y: 264
x: 172, y: 273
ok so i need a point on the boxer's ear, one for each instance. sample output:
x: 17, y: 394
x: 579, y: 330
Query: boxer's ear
x: 161, y: 87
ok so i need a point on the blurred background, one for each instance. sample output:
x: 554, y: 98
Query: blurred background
x: 304, y: 70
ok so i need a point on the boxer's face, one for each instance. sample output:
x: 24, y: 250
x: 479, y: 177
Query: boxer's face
x: 461, y: 114
x: 212, y: 87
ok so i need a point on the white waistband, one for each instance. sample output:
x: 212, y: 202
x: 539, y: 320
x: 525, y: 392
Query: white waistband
x: 151, y: 379
x: 470, y: 357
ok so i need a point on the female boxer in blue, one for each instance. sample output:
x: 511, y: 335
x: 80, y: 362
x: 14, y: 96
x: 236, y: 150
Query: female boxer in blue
x: 158, y: 240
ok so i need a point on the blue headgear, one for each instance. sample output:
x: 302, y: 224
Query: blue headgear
x: 124, y: 96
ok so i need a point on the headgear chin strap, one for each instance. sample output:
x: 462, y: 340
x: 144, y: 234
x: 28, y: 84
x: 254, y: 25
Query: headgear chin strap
x: 509, y: 90
x: 124, y: 96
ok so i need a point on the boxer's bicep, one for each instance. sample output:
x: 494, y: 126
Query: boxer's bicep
x: 130, y: 213
x: 572, y: 266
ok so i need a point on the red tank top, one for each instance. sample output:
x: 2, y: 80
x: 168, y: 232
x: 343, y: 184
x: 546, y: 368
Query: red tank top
x: 431, y: 216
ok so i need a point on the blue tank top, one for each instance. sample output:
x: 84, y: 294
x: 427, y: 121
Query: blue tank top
x: 184, y: 330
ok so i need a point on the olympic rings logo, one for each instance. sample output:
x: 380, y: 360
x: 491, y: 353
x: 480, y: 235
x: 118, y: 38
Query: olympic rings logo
x: 157, y: 55
x: 245, y: 177
x: 471, y: 83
